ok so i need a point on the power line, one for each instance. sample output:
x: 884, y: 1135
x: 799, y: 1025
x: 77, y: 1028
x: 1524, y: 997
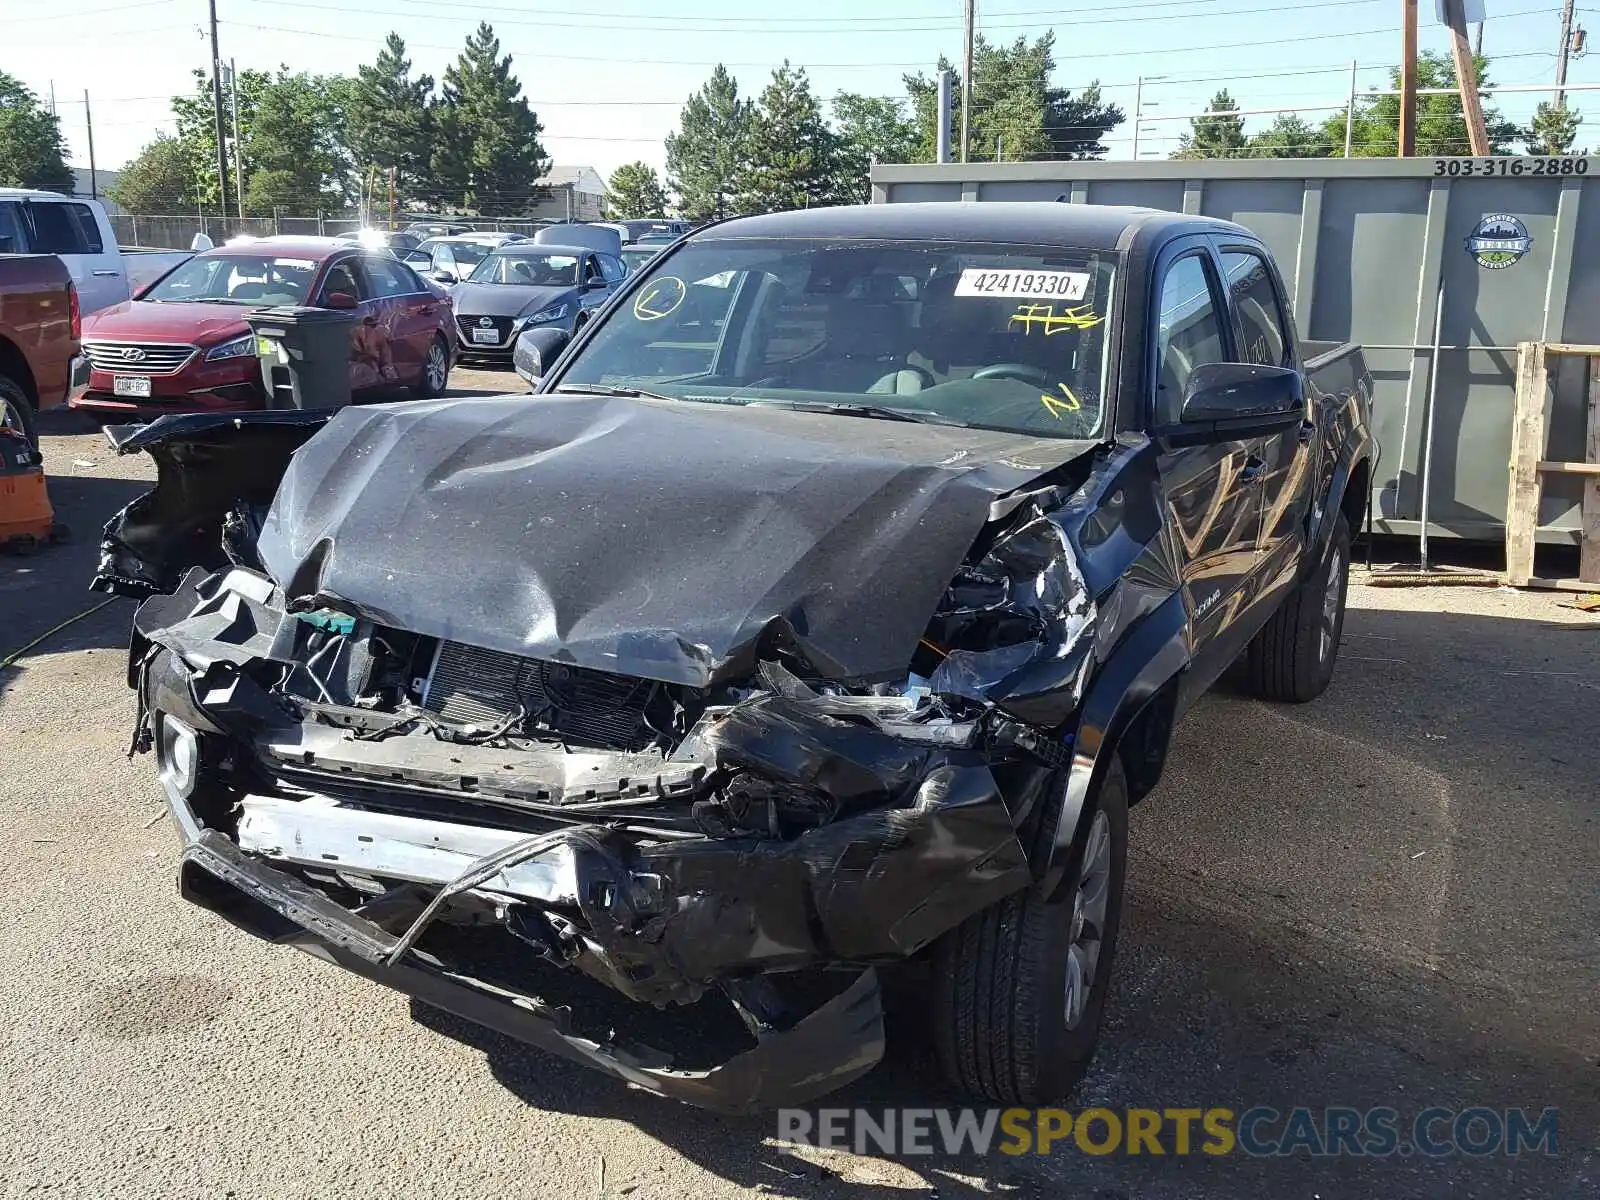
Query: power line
x: 88, y: 12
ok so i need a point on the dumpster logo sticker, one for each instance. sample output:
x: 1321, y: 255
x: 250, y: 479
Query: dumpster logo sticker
x: 1499, y: 241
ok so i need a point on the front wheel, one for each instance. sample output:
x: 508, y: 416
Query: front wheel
x: 16, y: 411
x: 1021, y: 987
x: 1292, y: 658
x: 435, y: 371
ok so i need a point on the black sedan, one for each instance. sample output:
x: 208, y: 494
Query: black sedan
x: 526, y: 286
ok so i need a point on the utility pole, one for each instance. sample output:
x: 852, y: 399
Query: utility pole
x: 971, y: 17
x: 1467, y: 79
x: 222, y: 136
x: 1564, y: 54
x: 1350, y: 111
x: 88, y: 121
x: 391, y: 196
x: 1408, y: 78
x: 238, y: 146
x: 1138, y: 114
x: 1477, y: 42
x: 942, y: 135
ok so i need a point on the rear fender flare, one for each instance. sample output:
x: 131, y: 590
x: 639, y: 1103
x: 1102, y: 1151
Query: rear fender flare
x: 1326, y: 515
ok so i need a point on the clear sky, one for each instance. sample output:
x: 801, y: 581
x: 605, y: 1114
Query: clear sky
x: 608, y: 83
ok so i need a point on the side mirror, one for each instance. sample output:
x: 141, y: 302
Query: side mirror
x: 340, y: 300
x: 596, y: 285
x: 535, y: 350
x: 1227, y: 401
x: 442, y: 276
x: 201, y: 242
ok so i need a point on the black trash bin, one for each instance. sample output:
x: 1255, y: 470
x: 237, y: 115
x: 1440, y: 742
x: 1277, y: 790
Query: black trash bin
x: 305, y: 355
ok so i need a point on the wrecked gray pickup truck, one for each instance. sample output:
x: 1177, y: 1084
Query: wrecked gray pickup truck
x: 824, y: 611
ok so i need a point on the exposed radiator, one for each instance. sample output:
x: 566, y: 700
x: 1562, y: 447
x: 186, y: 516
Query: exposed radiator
x: 472, y: 686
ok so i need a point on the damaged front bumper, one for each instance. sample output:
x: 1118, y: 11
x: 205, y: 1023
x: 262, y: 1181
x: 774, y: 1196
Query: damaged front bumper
x: 283, y: 811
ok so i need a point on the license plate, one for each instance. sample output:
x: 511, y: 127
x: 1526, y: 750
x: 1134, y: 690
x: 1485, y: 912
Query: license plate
x: 488, y: 336
x: 130, y: 385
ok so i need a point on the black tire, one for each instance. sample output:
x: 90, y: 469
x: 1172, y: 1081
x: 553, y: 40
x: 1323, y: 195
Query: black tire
x: 1293, y: 657
x: 16, y: 410
x: 1000, y: 1007
x: 430, y: 389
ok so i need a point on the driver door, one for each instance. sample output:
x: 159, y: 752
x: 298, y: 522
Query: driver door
x: 1213, y: 499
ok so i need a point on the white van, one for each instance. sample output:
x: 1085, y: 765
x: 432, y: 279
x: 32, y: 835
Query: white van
x: 77, y: 231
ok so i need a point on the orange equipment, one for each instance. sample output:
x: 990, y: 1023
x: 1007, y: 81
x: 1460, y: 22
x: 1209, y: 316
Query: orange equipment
x: 26, y: 519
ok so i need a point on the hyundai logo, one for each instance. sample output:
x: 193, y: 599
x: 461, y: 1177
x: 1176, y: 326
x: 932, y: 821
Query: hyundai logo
x: 486, y: 322
x: 132, y: 354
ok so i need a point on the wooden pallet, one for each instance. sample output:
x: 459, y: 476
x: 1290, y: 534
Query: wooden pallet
x: 1529, y: 466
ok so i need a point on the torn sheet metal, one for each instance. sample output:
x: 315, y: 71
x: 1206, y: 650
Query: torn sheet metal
x: 508, y: 524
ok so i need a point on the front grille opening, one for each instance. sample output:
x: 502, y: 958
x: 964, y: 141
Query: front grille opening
x: 485, y: 688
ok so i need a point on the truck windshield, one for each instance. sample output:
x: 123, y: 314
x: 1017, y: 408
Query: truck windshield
x: 527, y: 268
x: 995, y: 336
x: 254, y: 279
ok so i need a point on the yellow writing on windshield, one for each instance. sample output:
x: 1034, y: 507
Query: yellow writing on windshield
x: 1029, y: 317
x: 1057, y: 405
x: 660, y: 298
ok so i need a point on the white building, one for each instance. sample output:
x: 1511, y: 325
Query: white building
x: 576, y: 192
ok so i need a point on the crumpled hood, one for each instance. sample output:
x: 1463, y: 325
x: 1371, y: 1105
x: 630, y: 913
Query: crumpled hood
x: 662, y: 540
x: 506, y: 299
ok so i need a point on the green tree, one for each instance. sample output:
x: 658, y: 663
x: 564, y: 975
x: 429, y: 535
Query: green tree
x: 793, y: 155
x: 293, y: 149
x: 159, y: 179
x: 869, y: 128
x: 1290, y: 137
x: 1553, y: 130
x: 487, y: 158
x: 33, y: 154
x: 1016, y: 111
x: 389, y: 123
x: 706, y: 157
x: 635, y: 191
x: 197, y: 131
x: 1215, y: 137
x: 1441, y: 128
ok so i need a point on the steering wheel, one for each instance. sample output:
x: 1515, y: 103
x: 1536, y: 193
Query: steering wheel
x: 1019, y: 371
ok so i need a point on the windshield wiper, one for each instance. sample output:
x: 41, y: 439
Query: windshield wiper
x: 875, y: 411
x: 607, y: 389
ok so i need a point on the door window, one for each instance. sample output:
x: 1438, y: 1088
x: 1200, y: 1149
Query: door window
x: 591, y: 270
x: 55, y: 230
x: 88, y: 226
x: 1188, y: 334
x: 1260, y: 308
x: 612, y: 269
x: 389, y: 278
x: 343, y: 278
x: 11, y: 239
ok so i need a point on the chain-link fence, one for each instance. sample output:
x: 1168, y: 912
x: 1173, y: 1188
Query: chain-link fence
x: 176, y: 232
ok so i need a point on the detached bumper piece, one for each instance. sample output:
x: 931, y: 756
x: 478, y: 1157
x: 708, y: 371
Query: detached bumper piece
x: 838, y: 1042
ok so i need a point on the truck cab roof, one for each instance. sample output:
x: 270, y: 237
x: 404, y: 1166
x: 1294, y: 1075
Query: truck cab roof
x: 1090, y: 226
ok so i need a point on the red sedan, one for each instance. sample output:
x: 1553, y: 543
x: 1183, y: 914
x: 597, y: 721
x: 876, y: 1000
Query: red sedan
x: 183, y: 344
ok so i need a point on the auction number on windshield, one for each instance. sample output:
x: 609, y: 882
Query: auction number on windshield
x: 1511, y: 165
x: 1058, y: 285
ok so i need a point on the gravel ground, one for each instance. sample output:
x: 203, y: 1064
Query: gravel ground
x: 1385, y: 897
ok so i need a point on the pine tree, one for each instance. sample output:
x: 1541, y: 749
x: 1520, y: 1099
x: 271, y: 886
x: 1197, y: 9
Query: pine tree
x: 33, y: 154
x: 390, y: 125
x: 487, y: 158
x: 1553, y: 129
x: 1215, y: 137
x: 793, y: 155
x: 635, y: 191
x: 706, y: 157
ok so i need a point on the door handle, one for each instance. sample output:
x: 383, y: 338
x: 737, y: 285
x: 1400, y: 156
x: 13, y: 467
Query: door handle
x: 1254, y: 469
x: 428, y: 310
x: 106, y: 274
x: 369, y: 320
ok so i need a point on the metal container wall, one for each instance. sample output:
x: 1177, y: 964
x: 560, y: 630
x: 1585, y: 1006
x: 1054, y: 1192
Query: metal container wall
x: 1365, y: 246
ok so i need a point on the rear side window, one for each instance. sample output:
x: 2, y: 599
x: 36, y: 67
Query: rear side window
x: 342, y: 278
x: 1260, y: 309
x: 1189, y: 333
x: 55, y: 229
x: 90, y: 228
x: 612, y: 269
